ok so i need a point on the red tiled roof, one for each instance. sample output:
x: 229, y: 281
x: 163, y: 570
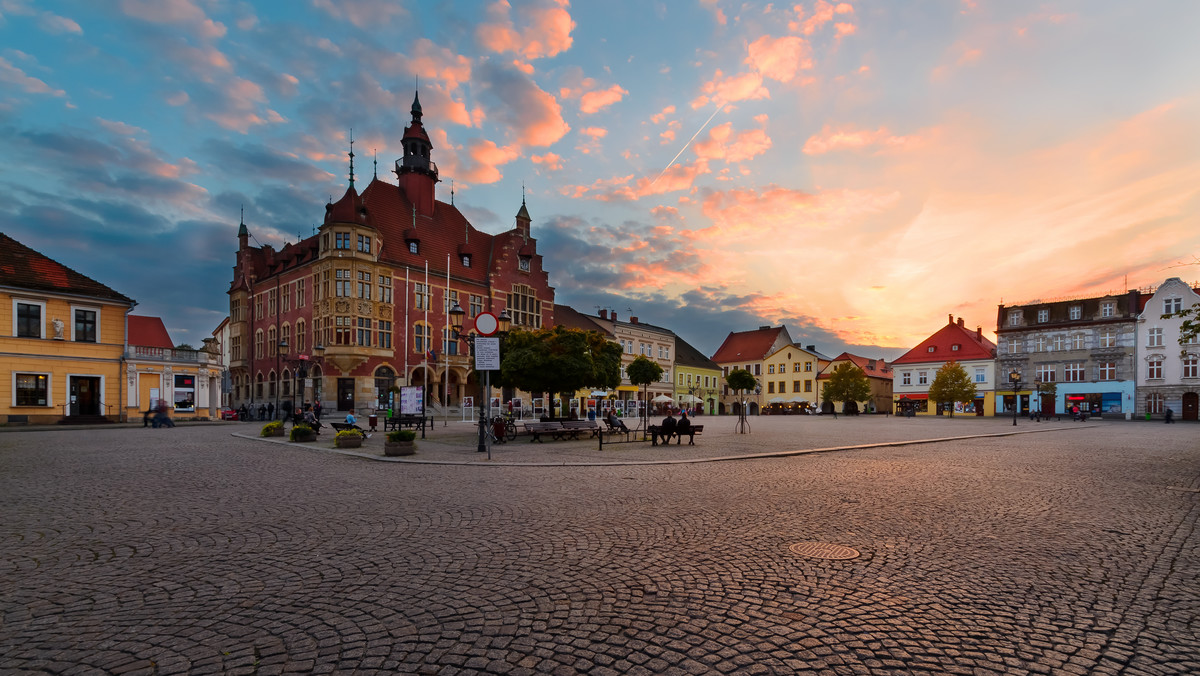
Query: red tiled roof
x: 971, y: 345
x: 747, y: 345
x: 24, y: 268
x: 881, y: 369
x: 148, y: 332
x: 565, y: 315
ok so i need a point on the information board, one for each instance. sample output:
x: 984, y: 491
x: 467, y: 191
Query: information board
x: 411, y: 400
x: 487, y: 353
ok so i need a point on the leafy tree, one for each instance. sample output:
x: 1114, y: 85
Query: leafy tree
x: 952, y: 384
x: 741, y: 380
x: 185, y: 346
x: 1189, y: 330
x: 558, y: 361
x: 643, y: 371
x: 847, y: 382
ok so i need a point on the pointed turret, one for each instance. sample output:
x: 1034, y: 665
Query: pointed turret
x: 523, y: 220
x: 416, y: 172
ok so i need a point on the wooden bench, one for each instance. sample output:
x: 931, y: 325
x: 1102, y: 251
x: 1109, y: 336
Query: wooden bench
x: 537, y: 429
x: 342, y: 427
x: 406, y: 421
x: 573, y: 428
x: 656, y: 432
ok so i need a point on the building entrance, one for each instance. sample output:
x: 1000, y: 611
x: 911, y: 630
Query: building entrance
x: 345, y: 400
x: 85, y: 395
x: 1191, y: 401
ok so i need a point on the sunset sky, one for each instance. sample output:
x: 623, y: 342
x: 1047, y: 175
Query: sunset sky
x: 855, y: 171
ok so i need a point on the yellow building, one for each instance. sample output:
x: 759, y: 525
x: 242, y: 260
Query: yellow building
x: 789, y: 379
x: 697, y: 379
x: 62, y: 341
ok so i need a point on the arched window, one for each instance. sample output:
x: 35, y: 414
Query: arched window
x: 271, y: 381
x: 272, y: 347
x: 299, y: 336
x: 287, y: 383
x: 258, y: 344
x: 258, y: 386
x: 285, y: 332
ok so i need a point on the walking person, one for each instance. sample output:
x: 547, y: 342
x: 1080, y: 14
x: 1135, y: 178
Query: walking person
x: 317, y: 409
x: 271, y: 411
x: 1169, y: 417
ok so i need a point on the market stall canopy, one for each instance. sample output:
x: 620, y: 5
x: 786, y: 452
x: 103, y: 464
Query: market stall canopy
x: 775, y: 400
x: 661, y: 399
x: 689, y: 399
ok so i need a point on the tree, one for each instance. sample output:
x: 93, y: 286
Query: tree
x: 642, y: 372
x: 846, y: 383
x: 559, y: 361
x: 952, y: 384
x: 1189, y: 330
x: 185, y: 346
x: 742, y: 381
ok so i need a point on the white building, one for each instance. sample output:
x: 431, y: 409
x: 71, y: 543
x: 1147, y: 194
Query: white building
x: 1168, y: 375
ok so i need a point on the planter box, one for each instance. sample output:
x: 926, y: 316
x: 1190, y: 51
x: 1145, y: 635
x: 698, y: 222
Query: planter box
x: 305, y: 438
x: 397, y: 448
x: 348, y: 442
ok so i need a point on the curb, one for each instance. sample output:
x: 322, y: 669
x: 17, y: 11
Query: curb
x: 626, y: 463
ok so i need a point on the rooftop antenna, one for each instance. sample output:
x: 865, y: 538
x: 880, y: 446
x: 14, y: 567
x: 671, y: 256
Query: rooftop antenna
x: 351, y: 157
x: 376, y: 161
x: 451, y: 192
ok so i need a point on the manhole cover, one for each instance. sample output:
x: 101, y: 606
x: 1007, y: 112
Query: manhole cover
x: 823, y: 550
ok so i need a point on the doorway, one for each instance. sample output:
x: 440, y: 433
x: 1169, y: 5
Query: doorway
x: 1191, y: 401
x: 85, y: 395
x: 345, y: 400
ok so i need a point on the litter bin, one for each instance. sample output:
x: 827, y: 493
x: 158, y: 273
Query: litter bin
x: 372, y: 420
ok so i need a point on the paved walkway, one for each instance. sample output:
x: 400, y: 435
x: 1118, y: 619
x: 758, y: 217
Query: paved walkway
x: 193, y: 551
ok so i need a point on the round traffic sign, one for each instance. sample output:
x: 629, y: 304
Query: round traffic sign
x: 486, y: 324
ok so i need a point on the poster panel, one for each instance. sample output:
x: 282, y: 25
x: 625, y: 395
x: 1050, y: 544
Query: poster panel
x: 411, y: 400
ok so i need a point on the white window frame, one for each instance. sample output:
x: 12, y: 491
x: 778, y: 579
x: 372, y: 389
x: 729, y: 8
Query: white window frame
x: 906, y: 378
x: 980, y: 374
x: 29, y: 301
x: 1043, y: 316
x: 49, y: 387
x: 922, y: 377
x: 1191, y: 367
x: 1075, y: 312
x: 1154, y: 337
x: 88, y: 308
x: 1108, y: 338
x: 1014, y: 317
x: 1044, y: 370
x: 1108, y: 309
x: 1168, y: 303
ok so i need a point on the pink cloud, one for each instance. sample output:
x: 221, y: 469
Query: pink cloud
x: 362, y: 13
x: 848, y: 138
x: 547, y: 33
x: 180, y: 13
x: 742, y: 87
x: 487, y: 157
x: 594, y: 132
x: 53, y: 23
x: 428, y: 60
x: 593, y: 102
x: 779, y: 58
x: 16, y: 77
x: 550, y: 160
x: 844, y: 8
x: 240, y: 107
x: 822, y: 14
x: 724, y: 145
x: 845, y: 29
x: 659, y: 117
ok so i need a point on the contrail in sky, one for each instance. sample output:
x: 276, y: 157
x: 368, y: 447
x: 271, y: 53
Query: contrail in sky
x: 685, y: 146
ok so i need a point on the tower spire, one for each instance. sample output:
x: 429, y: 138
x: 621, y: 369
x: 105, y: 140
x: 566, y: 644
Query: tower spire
x: 376, y: 161
x: 351, y: 157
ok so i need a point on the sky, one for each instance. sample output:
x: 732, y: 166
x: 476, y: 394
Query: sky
x: 854, y: 171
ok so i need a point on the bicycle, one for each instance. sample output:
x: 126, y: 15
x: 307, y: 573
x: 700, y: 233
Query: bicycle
x: 506, y: 424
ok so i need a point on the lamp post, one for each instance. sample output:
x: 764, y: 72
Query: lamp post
x: 487, y: 325
x: 1014, y: 377
x: 300, y: 371
x: 283, y: 344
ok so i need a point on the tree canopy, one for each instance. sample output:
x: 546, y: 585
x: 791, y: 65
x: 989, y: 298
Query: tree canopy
x: 1189, y: 330
x: 643, y: 371
x: 952, y: 384
x: 847, y: 382
x: 741, y: 379
x: 559, y: 361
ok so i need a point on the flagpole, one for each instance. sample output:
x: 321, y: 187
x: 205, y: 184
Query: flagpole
x: 445, y: 351
x: 428, y: 297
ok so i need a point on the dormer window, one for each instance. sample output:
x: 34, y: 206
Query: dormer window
x: 524, y: 263
x: 1043, y: 316
x: 466, y: 260
x: 414, y: 247
x: 955, y: 347
x: 1075, y: 312
x: 932, y: 348
x: 1014, y: 317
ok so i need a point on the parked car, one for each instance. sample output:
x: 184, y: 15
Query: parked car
x: 229, y: 414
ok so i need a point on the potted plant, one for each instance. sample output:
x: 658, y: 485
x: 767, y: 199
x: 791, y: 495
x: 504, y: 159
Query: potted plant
x: 303, y: 433
x: 273, y: 429
x: 399, y: 442
x: 348, y: 439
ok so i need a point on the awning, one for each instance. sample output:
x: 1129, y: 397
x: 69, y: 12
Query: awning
x: 661, y: 399
x: 627, y: 388
x: 689, y: 399
x: 599, y: 393
x: 913, y: 396
x: 775, y: 400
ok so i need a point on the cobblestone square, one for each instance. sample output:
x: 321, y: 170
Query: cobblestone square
x: 1068, y: 548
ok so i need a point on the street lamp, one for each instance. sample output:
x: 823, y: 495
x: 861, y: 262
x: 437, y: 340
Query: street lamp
x: 283, y: 344
x: 497, y: 326
x: 1014, y: 377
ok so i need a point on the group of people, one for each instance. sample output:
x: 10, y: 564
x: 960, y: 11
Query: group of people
x: 267, y: 411
x: 670, y: 427
x: 158, y: 416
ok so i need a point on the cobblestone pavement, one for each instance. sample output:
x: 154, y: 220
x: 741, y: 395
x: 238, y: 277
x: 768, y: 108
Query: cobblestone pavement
x: 189, y: 550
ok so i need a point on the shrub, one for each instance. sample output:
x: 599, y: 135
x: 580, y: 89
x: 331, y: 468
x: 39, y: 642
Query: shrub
x: 272, y: 429
x: 301, y: 431
x: 401, y: 435
x: 348, y: 433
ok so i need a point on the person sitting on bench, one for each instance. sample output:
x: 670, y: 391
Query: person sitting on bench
x: 683, y: 427
x: 666, y: 430
x: 616, y: 423
x: 351, y: 421
x: 310, y: 419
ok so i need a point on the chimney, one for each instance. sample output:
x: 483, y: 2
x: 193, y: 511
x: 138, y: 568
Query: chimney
x: 633, y: 320
x: 614, y: 316
x: 811, y: 348
x: 960, y: 322
x: 979, y: 333
x: 951, y: 319
x: 604, y: 314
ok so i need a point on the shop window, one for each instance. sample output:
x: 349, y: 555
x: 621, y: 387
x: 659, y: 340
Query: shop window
x: 31, y: 389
